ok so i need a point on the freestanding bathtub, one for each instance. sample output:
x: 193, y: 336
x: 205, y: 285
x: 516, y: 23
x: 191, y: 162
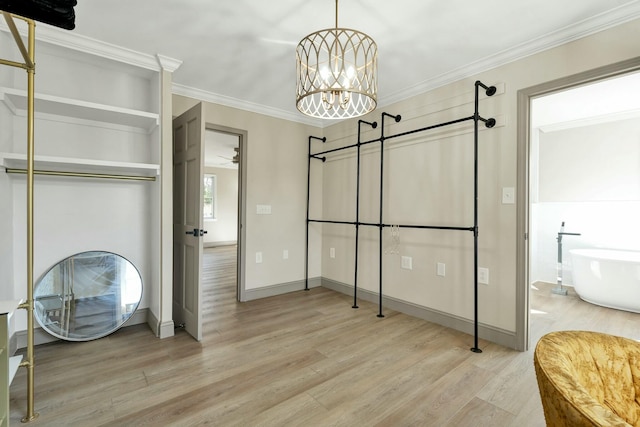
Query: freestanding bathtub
x: 607, y: 277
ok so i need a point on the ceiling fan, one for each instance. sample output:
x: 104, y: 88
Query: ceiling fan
x: 235, y: 159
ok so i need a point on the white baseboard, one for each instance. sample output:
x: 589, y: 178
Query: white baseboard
x: 160, y: 329
x: 486, y: 332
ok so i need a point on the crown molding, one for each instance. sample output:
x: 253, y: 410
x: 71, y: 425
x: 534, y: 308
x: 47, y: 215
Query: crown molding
x: 167, y: 63
x: 70, y: 40
x: 584, y: 28
x: 228, y: 101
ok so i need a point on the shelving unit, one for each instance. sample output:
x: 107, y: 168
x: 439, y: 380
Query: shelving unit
x: 80, y: 138
x: 8, y: 364
x: 14, y: 161
x: 79, y: 111
x: 89, y: 115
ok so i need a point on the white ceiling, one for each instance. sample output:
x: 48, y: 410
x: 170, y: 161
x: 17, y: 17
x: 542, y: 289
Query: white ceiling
x: 242, y: 52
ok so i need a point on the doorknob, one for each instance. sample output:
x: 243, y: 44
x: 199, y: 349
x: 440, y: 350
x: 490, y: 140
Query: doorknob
x: 197, y: 232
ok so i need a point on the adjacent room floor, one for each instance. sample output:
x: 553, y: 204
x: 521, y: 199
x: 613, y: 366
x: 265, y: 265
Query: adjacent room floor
x: 305, y: 358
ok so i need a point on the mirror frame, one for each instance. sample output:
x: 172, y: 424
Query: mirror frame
x: 58, y: 332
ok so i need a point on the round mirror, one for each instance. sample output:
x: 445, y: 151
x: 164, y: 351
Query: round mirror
x: 87, y: 296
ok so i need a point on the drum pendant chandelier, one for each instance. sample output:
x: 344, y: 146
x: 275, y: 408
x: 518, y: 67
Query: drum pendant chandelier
x: 337, y: 73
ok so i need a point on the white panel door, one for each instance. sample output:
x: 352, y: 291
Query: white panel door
x: 188, y: 156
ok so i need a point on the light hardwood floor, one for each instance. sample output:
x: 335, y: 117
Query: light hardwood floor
x: 301, y: 359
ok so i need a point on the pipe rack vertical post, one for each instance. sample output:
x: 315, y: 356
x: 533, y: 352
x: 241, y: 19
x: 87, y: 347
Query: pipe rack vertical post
x: 28, y: 305
x: 489, y: 123
x: 355, y: 270
x: 30, y: 251
x: 475, y: 347
x: 380, y: 223
x: 306, y: 253
x: 306, y: 246
x: 357, y: 223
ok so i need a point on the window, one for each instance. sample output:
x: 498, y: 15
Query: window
x: 209, y: 197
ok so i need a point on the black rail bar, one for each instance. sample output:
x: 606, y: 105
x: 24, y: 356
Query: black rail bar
x: 397, y: 135
x: 306, y: 254
x: 375, y: 224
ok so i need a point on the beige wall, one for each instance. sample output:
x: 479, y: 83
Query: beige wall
x: 589, y: 178
x: 428, y: 181
x: 276, y: 167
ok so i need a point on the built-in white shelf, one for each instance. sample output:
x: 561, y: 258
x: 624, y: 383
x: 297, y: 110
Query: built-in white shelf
x: 78, y: 111
x: 71, y: 164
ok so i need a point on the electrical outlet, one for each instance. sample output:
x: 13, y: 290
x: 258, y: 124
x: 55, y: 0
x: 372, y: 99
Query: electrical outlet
x: 440, y: 269
x: 285, y: 254
x: 483, y: 276
x: 332, y: 252
x: 406, y: 263
x: 258, y: 257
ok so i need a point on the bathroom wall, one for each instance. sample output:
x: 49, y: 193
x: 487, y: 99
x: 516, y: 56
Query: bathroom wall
x: 589, y: 177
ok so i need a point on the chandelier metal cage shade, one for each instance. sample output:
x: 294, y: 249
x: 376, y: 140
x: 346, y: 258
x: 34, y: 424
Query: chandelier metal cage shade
x: 336, y: 74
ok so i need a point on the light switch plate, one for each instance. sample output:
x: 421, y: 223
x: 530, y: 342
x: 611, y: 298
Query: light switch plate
x: 508, y: 196
x: 406, y: 263
x: 263, y: 209
x: 483, y: 276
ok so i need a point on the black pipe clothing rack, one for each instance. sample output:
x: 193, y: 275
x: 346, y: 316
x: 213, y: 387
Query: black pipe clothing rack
x: 476, y: 118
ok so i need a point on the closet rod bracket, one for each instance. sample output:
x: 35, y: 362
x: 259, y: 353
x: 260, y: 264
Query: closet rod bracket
x: 489, y: 90
x: 372, y: 124
x: 489, y: 123
x: 396, y: 118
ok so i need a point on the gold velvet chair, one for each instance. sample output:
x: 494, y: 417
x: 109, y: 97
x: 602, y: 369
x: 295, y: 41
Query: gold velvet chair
x: 588, y: 379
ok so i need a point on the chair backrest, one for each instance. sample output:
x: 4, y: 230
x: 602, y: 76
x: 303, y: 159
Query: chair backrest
x: 588, y: 379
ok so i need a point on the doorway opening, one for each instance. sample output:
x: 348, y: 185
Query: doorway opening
x: 222, y: 212
x: 197, y: 194
x: 577, y: 137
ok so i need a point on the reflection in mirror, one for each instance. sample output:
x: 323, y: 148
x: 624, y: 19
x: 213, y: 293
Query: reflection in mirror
x: 87, y: 296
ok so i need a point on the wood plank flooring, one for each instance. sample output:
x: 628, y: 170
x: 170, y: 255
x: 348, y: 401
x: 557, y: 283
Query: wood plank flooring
x: 301, y: 359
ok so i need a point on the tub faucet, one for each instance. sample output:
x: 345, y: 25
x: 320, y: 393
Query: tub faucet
x: 559, y: 289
